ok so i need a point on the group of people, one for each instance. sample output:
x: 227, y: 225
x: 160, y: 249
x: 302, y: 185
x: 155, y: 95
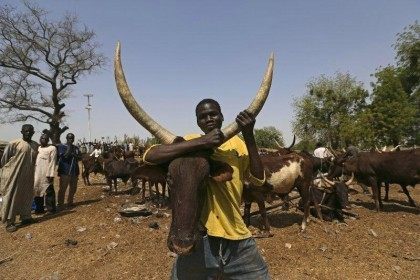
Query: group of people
x: 226, y: 247
x: 27, y: 171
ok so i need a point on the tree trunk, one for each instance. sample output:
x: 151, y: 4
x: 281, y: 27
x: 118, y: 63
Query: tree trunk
x: 55, y: 132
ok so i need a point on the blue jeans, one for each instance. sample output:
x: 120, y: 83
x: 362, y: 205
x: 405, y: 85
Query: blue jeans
x: 218, y: 257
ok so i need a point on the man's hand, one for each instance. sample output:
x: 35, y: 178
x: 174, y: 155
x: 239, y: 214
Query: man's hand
x: 213, y: 139
x: 246, y: 122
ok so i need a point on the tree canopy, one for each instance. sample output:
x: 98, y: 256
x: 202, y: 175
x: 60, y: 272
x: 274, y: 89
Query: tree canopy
x: 328, y: 109
x: 338, y: 110
x: 40, y: 60
x: 268, y: 137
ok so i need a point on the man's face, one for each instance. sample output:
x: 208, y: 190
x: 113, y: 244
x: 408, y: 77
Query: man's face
x: 209, y: 117
x: 70, y: 138
x: 27, y: 133
x: 43, y: 140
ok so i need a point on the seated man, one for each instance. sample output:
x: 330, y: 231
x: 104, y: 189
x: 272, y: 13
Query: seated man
x: 227, y: 247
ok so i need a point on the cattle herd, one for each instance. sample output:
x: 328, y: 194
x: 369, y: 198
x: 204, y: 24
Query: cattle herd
x: 325, y: 195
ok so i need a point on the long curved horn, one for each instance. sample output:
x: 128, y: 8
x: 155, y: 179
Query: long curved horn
x: 332, y: 151
x: 256, y: 105
x: 293, y: 142
x: 394, y: 149
x: 384, y: 148
x: 348, y: 183
x: 331, y: 183
x: 376, y: 149
x: 133, y: 107
x: 277, y: 144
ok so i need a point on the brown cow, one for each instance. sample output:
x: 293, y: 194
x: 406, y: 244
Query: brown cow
x: 153, y: 175
x: 186, y: 173
x: 372, y: 168
x: 288, y: 171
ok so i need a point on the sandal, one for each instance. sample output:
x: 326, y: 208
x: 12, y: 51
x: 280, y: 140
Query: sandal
x: 11, y: 228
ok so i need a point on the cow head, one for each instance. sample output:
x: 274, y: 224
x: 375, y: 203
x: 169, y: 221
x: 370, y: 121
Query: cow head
x: 186, y: 174
x: 340, y: 189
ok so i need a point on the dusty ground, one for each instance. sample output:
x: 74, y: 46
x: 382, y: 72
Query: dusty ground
x: 382, y: 245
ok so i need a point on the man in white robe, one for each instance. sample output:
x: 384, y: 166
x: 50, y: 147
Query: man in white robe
x: 17, y: 179
x: 44, y: 172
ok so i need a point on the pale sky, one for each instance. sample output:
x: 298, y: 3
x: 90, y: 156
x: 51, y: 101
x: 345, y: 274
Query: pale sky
x: 176, y: 53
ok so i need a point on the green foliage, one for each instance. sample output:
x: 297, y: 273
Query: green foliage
x: 329, y: 108
x: 266, y: 137
x: 392, y: 111
x: 305, y: 145
x: 408, y: 62
x: 407, y: 47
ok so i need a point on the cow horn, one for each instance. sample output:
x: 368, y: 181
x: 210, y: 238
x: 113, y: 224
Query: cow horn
x: 293, y: 142
x: 332, y: 151
x: 376, y: 148
x: 288, y: 148
x: 330, y: 183
x: 133, y: 107
x: 256, y: 104
x: 384, y: 149
x: 394, y: 149
x: 348, y: 183
x: 161, y: 133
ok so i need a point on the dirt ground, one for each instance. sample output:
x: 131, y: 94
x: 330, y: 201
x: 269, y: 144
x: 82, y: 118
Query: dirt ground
x: 383, y: 245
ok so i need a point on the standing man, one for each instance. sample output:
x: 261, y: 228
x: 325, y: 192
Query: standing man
x: 68, y: 170
x: 321, y: 152
x: 17, y: 179
x: 44, y: 176
x: 228, y: 248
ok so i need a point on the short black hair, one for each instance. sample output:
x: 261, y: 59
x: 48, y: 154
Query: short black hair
x: 27, y: 125
x: 68, y: 134
x: 205, y: 101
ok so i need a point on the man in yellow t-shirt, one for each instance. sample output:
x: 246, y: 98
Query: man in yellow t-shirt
x: 228, y: 248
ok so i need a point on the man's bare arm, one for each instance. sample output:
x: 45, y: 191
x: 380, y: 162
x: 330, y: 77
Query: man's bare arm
x: 247, y: 121
x: 165, y: 153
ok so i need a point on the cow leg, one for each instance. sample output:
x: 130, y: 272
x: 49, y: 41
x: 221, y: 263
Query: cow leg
x: 143, y: 195
x: 407, y: 193
x: 379, y: 195
x: 266, y: 224
x: 247, y: 213
x: 115, y: 182
x: 316, y: 205
x: 305, y: 194
x: 109, y: 182
x: 374, y: 184
x: 386, y: 198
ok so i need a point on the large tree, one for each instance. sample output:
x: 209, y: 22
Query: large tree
x: 328, y: 110
x: 392, y: 111
x: 40, y: 59
x: 407, y: 48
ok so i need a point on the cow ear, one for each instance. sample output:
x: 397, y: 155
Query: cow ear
x: 220, y: 171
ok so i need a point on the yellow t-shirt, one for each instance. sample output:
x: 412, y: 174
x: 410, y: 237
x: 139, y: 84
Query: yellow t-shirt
x: 221, y: 214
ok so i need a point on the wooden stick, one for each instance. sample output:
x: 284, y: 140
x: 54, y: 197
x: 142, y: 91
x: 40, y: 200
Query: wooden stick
x: 9, y: 258
x: 273, y: 206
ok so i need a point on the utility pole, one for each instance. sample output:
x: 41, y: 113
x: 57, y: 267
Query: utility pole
x: 89, y: 108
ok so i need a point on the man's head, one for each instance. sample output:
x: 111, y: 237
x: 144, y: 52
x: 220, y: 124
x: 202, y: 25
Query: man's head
x: 209, y: 115
x: 70, y: 138
x: 27, y: 132
x: 43, y: 140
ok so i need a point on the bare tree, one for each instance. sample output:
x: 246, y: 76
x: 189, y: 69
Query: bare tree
x: 40, y: 60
